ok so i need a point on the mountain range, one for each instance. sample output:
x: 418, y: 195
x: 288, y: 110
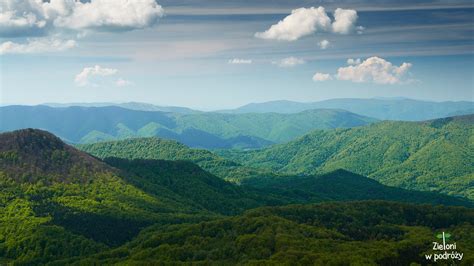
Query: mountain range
x: 129, y: 105
x: 382, y: 108
x: 59, y: 205
x: 379, y: 108
x: 435, y: 155
x: 205, y: 130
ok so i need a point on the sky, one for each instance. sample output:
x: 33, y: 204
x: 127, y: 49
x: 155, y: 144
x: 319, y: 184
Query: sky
x: 213, y: 54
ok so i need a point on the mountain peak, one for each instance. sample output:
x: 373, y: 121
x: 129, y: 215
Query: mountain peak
x: 27, y: 155
x: 27, y: 140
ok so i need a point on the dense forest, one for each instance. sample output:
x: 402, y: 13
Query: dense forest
x: 162, y: 149
x: 400, y: 154
x: 435, y: 155
x: 356, y: 233
x: 59, y: 206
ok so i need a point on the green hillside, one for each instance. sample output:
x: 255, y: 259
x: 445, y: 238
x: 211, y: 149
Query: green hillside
x: 341, y: 185
x: 162, y: 149
x: 356, y: 233
x: 58, y: 202
x: 193, y: 186
x: 272, y: 126
x: 201, y: 130
x: 337, y: 185
x: 59, y: 206
x: 435, y: 155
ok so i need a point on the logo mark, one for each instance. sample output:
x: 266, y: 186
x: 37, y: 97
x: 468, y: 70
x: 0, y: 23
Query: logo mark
x: 449, y: 249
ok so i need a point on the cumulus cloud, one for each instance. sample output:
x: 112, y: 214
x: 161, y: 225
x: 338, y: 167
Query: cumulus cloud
x: 301, y: 22
x: 290, y: 62
x: 21, y: 18
x: 83, y: 78
x: 37, y: 45
x: 344, y: 20
x: 111, y: 15
x: 324, y: 44
x: 373, y: 69
x: 321, y: 77
x: 306, y: 21
x: 36, y: 17
x: 240, y: 61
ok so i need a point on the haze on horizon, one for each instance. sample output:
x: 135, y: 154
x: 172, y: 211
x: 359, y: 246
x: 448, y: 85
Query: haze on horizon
x: 218, y: 55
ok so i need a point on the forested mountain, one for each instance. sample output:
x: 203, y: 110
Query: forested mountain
x: 58, y: 202
x: 161, y: 149
x: 205, y: 130
x: 337, y: 185
x: 435, y: 155
x: 61, y: 205
x: 380, y: 108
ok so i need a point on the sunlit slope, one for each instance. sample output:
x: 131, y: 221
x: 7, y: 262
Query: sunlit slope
x: 435, y: 155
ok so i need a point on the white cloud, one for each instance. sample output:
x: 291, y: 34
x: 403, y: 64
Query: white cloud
x: 37, y: 45
x: 36, y: 17
x: 123, y: 82
x: 112, y: 15
x: 324, y: 44
x: 305, y: 21
x: 373, y: 69
x: 21, y: 17
x: 83, y: 79
x: 321, y: 77
x: 290, y: 62
x: 344, y: 20
x: 352, y: 61
x: 301, y: 22
x: 240, y: 61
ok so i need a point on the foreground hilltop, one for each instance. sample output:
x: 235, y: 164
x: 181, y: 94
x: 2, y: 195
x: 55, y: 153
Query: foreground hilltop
x: 59, y: 202
x: 30, y: 153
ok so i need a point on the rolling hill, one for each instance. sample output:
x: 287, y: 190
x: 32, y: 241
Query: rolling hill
x: 59, y: 205
x: 336, y: 185
x: 380, y: 108
x: 58, y: 202
x: 79, y: 206
x: 204, y: 130
x: 161, y: 149
x: 434, y: 155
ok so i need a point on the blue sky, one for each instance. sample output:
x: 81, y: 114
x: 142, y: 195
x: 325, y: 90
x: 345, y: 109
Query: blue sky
x: 205, y: 54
